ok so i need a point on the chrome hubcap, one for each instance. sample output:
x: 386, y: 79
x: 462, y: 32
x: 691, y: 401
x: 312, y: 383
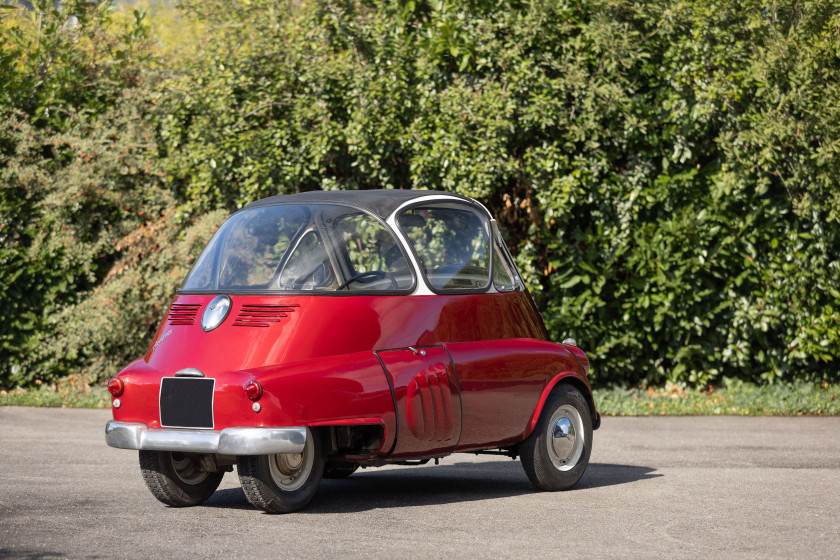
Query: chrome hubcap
x: 565, y: 441
x: 291, y: 470
x: 563, y: 438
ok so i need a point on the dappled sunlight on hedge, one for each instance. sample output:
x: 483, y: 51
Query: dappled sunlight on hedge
x: 665, y: 172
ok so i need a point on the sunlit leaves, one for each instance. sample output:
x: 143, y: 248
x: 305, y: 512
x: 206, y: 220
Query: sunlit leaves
x: 665, y: 172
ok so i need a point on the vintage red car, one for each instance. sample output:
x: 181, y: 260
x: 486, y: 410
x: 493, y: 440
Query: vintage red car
x: 324, y: 331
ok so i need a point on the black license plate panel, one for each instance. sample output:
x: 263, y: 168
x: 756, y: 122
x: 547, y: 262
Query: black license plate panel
x: 186, y: 402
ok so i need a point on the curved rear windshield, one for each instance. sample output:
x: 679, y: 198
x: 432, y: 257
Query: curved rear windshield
x: 319, y: 247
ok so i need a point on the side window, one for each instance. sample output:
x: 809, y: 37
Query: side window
x: 452, y: 243
x: 374, y: 259
x: 505, y: 278
x: 502, y: 276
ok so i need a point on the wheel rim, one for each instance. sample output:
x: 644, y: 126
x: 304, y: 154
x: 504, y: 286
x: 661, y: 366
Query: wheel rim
x: 290, y: 471
x: 187, y: 468
x: 565, y: 438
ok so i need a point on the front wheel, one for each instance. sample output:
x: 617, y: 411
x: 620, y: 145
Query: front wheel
x: 556, y: 454
x: 283, y: 482
x: 178, y: 479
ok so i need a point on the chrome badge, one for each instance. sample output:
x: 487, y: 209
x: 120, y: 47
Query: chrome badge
x: 163, y: 337
x: 215, y: 313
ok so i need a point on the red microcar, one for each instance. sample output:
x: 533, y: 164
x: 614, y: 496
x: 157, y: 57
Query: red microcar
x: 324, y: 331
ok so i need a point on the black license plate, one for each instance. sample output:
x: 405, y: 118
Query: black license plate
x: 186, y: 402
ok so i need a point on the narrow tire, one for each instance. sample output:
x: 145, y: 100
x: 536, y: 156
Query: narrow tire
x: 556, y: 454
x: 284, y: 482
x: 176, y: 479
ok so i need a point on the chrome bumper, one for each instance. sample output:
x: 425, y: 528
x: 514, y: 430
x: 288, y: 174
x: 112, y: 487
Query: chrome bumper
x: 230, y: 441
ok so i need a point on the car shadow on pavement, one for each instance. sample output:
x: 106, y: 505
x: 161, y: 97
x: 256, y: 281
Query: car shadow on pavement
x: 30, y: 554
x: 434, y: 485
x: 602, y: 474
x: 230, y: 498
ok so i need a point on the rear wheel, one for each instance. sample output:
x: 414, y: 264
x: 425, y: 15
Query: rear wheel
x: 556, y: 454
x: 177, y: 479
x: 283, y: 482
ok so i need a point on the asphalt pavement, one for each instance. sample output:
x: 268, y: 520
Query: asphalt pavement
x: 661, y: 487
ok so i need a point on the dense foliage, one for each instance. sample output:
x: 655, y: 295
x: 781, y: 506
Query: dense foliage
x: 664, y: 171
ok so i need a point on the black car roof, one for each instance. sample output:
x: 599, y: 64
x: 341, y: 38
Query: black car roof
x: 381, y: 202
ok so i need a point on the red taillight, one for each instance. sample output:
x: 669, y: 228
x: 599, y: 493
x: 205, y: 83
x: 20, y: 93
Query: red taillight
x: 116, y: 386
x: 254, y: 390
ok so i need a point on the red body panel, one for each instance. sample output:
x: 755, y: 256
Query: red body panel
x: 501, y: 383
x: 308, y: 327
x: 428, y: 401
x: 320, y: 361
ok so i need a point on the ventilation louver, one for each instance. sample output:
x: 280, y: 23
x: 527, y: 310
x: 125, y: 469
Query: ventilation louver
x: 262, y: 315
x: 183, y: 313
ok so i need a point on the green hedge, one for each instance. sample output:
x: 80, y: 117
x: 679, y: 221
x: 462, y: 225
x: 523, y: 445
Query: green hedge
x: 664, y: 171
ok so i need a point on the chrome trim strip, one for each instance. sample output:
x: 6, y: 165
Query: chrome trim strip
x: 230, y: 441
x: 189, y: 372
